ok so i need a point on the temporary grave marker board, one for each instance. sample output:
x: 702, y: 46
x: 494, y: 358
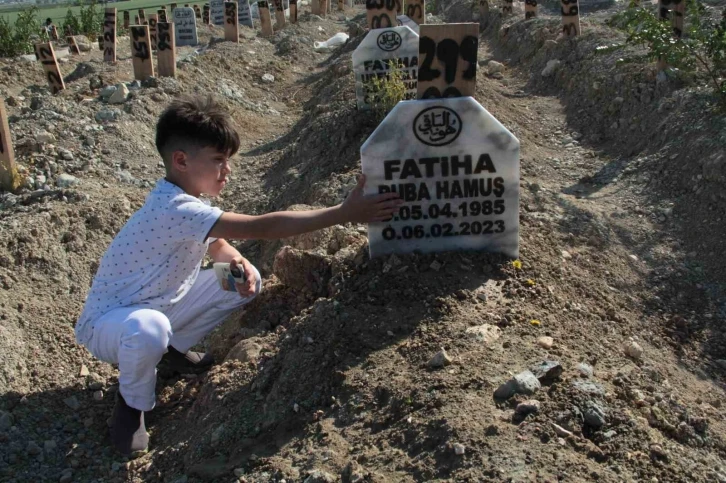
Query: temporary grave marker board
x: 185, y: 27
x: 483, y: 9
x: 166, y: 50
x: 205, y: 15
x: 73, y: 46
x: 381, y: 52
x: 293, y: 11
x: 153, y: 36
x: 265, y: 21
x: 570, y: 17
x: 456, y: 169
x: 530, y: 9
x: 142, y: 16
x: 136, y: 20
x: 416, y: 11
x: 109, y: 35
x: 323, y: 6
x: 100, y: 42
x: 197, y: 12
x: 8, y: 171
x: 507, y: 7
x: 279, y: 13
x: 244, y: 13
x: 141, y: 52
x: 45, y: 54
x: 127, y: 19
x: 231, y: 27
x: 162, y: 15
x: 382, y: 13
x: 53, y: 33
x: 217, y: 12
x: 447, y: 60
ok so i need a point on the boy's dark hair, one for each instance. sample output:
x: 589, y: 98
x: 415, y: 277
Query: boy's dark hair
x: 192, y: 123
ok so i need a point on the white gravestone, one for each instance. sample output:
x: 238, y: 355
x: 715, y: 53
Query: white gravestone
x: 380, y: 51
x: 185, y: 26
x: 244, y: 13
x: 457, y: 169
x: 405, y: 20
x: 216, y: 12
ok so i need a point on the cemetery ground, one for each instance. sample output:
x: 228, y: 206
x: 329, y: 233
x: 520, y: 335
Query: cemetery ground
x: 335, y: 371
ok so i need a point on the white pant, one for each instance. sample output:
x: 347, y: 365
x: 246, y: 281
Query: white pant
x: 136, y: 338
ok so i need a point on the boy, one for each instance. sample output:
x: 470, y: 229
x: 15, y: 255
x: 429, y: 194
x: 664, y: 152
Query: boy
x: 149, y: 301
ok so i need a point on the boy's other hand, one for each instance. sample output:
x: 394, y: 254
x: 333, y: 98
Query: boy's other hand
x: 248, y: 288
x: 360, y: 208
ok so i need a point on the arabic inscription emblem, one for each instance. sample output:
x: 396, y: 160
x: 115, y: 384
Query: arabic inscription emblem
x: 389, y: 41
x: 437, y: 126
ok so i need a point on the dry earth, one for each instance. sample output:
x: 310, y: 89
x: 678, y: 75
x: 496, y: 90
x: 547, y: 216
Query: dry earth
x: 329, y: 378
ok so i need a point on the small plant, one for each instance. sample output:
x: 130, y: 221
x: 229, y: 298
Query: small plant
x: 18, y: 39
x: 386, y: 91
x: 702, y: 46
x: 91, y: 20
x: 71, y: 21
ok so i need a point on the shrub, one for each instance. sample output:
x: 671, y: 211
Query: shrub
x: 386, y: 91
x: 70, y: 21
x: 18, y: 39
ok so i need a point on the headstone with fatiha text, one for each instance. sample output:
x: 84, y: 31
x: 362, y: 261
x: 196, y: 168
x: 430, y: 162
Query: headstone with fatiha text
x: 217, y: 12
x: 185, y: 27
x: 244, y: 13
x: 456, y: 169
x: 382, y: 52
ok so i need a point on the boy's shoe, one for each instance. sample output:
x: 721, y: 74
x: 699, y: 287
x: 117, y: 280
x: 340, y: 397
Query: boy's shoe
x: 185, y: 363
x: 128, y: 431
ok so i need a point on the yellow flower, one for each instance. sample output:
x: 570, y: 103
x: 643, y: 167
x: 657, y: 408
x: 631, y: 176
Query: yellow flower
x: 531, y: 282
x: 517, y: 264
x: 535, y: 322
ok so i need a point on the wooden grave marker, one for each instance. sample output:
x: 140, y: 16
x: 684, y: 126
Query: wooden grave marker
x: 197, y: 12
x: 109, y: 35
x: 142, y: 17
x: 279, y: 14
x: 173, y: 7
x: 679, y: 10
x: 293, y: 11
x: 141, y: 52
x: 382, y: 13
x: 216, y: 12
x: 9, y: 178
x: 127, y: 19
x: 69, y: 31
x: 153, y: 22
x: 416, y: 11
x: 483, y: 10
x: 315, y: 7
x: 323, y: 7
x: 136, y: 20
x: 100, y: 42
x: 381, y: 51
x: 185, y: 25
x: 265, y: 20
x: 530, y: 9
x: 341, y: 5
x: 205, y: 15
x: 73, y: 46
x: 162, y: 15
x: 53, y: 33
x: 507, y: 7
x: 570, y: 17
x: 457, y: 170
x: 231, y: 23
x: 46, y: 55
x: 244, y: 13
x: 166, y: 50
x: 447, y: 60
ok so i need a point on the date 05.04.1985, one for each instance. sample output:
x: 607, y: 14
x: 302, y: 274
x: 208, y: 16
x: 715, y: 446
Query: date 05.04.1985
x: 464, y: 228
x: 449, y: 210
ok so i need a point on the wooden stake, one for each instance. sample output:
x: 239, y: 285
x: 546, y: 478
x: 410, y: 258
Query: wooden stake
x: 100, y: 42
x: 323, y: 6
x: 508, y: 7
x: 415, y: 10
x: 293, y: 11
x: 530, y: 9
x: 341, y: 5
x: 162, y: 15
x: 46, y: 55
x: 679, y: 10
x: 53, y: 33
x: 73, y: 46
x: 231, y: 22
x: 109, y: 35
x: 153, y: 22
x: 166, y: 50
x: 570, y: 17
x: 173, y: 6
x: 205, y: 14
x: 447, y: 60
x: 142, y: 16
x: 265, y: 21
x: 9, y: 178
x: 136, y: 20
x: 279, y: 14
x: 127, y: 21
x: 382, y: 14
x: 141, y: 52
x: 197, y: 12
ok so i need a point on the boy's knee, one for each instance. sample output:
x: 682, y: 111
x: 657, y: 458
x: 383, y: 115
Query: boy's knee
x: 149, y: 330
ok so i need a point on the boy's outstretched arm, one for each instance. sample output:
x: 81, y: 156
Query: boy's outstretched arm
x: 358, y: 208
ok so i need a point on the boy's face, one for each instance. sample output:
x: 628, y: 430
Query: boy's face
x: 206, y: 171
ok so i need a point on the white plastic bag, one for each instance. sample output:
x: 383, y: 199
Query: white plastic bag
x: 335, y: 41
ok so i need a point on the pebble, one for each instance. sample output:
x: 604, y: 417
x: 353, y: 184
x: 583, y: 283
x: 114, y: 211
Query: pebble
x: 72, y: 402
x: 6, y: 421
x: 120, y: 95
x: 459, y: 449
x: 245, y: 350
x: 441, y: 359
x: 268, y: 78
x: 49, y: 446
x: 594, y: 415
x: 523, y: 383
x: 98, y: 395
x: 585, y: 370
x: 84, y: 371
x: 65, y: 154
x: 66, y: 180
x: 435, y: 265
x: 528, y: 407
x: 632, y: 349
x: 545, y: 342
x: 44, y: 137
x: 566, y: 255
x: 33, y: 448
x: 239, y: 472
x: 485, y: 333
x: 549, y: 69
x: 107, y: 91
x: 95, y: 381
x: 107, y: 115
x: 66, y: 476
x: 560, y: 431
x: 494, y: 67
x: 547, y: 371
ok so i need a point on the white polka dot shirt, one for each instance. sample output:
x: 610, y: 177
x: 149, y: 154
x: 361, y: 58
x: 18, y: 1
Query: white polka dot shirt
x: 155, y: 258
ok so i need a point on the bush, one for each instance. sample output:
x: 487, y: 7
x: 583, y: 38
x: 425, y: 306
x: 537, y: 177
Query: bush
x: 701, y: 48
x: 386, y: 91
x: 91, y: 21
x: 70, y: 21
x: 18, y: 39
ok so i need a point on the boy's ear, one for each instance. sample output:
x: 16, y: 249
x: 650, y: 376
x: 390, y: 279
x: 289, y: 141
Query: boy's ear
x: 179, y: 160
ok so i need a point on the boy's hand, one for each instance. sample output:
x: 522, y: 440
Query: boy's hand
x: 360, y: 208
x: 248, y: 288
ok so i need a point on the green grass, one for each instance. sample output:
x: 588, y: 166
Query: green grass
x: 58, y: 13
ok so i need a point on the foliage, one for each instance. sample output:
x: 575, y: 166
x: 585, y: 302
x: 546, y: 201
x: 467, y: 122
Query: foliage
x: 70, y: 21
x: 702, y: 46
x: 89, y: 21
x: 18, y: 39
x: 386, y: 91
